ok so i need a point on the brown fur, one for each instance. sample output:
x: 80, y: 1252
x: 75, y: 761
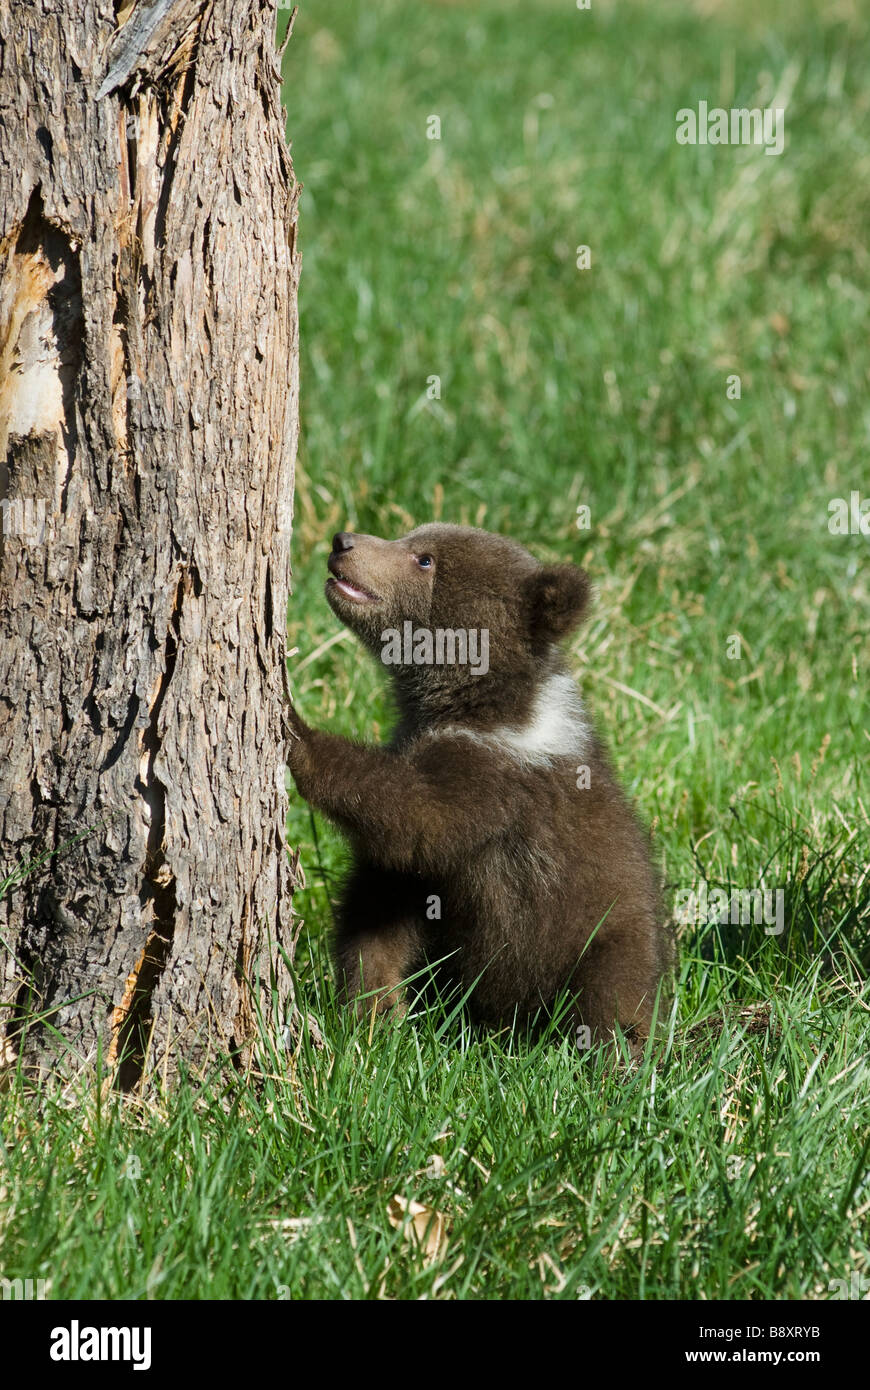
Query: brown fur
x: 541, y: 885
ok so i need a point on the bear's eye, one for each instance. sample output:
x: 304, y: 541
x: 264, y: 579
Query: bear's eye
x: 424, y: 561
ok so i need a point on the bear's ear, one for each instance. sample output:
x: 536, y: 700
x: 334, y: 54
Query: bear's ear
x: 558, y: 596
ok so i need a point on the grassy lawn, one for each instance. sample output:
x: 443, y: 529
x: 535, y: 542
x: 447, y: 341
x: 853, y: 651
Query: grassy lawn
x: 724, y: 661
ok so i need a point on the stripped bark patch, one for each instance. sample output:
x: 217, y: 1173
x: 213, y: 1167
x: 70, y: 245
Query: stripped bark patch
x: 131, y: 1018
x: 40, y: 333
x: 122, y: 1010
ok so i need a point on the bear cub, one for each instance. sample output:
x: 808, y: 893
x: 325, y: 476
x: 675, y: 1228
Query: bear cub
x: 489, y: 834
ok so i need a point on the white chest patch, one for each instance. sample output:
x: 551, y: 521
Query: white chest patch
x: 556, y: 728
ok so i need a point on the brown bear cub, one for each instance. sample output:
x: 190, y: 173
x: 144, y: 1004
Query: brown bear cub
x: 490, y: 831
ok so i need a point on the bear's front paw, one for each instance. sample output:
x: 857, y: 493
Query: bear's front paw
x: 296, y: 726
x: 298, y: 734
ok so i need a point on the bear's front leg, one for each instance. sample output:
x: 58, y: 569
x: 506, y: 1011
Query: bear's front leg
x: 371, y: 966
x: 417, y: 813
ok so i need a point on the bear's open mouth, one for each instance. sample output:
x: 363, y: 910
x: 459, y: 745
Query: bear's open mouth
x: 355, y: 592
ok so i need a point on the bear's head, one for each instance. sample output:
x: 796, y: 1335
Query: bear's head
x: 453, y: 580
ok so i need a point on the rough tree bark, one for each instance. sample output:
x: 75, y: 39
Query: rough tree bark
x: 148, y: 426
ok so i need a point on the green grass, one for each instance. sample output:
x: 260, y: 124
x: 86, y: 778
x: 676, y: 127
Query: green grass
x: 732, y: 1166
x: 734, y: 1163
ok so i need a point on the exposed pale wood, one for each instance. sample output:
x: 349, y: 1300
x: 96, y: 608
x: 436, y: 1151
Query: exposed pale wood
x: 148, y: 413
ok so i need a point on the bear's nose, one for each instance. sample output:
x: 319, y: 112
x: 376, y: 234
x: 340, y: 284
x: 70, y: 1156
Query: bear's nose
x: 341, y: 541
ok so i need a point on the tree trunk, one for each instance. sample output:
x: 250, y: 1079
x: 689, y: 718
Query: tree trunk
x: 148, y: 426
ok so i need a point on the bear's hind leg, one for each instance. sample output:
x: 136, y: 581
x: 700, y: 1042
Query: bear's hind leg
x: 372, y: 964
x: 617, y: 983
